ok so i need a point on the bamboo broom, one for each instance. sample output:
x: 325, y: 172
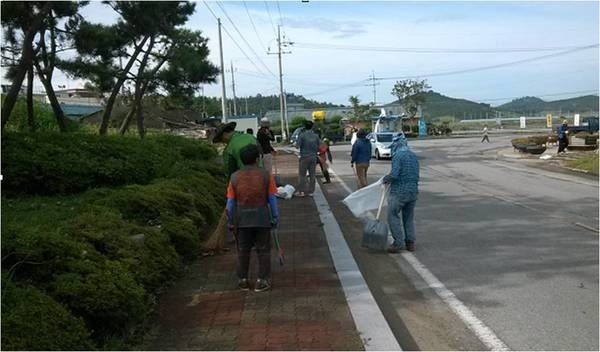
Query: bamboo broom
x: 216, y: 242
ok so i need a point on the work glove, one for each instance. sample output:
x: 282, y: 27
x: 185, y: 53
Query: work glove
x: 352, y: 165
x: 274, y: 222
x: 387, y: 179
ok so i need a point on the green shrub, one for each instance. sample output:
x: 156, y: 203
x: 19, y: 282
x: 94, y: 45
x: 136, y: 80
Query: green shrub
x: 31, y: 320
x: 59, y: 163
x: 44, y: 118
x: 106, y: 253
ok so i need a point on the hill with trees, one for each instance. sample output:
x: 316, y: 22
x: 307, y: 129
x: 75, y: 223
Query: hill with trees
x: 527, y: 104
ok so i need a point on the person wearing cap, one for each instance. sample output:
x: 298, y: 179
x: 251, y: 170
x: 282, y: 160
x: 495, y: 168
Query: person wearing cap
x: 265, y: 137
x: 361, y: 157
x: 234, y: 141
x: 563, y: 139
x: 308, y: 143
x: 404, y: 190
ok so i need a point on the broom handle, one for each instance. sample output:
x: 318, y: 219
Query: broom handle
x: 383, y: 193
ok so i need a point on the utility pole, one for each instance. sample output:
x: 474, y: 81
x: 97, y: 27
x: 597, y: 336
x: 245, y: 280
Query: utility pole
x: 373, y: 84
x: 223, y: 97
x: 284, y: 131
x: 233, y: 88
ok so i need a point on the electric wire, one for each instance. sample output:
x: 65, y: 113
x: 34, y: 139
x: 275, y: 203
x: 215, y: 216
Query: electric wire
x: 482, y: 68
x: 281, y: 20
x: 234, y: 41
x: 244, y: 39
x: 270, y: 18
x: 430, y: 50
x: 254, y: 27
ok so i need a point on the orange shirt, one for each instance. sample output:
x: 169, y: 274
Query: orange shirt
x: 272, y: 188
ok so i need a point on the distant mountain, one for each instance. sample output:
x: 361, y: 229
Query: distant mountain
x: 528, y: 104
x: 437, y: 105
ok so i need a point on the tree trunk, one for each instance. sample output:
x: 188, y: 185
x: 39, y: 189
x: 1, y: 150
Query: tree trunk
x: 30, y: 118
x: 24, y: 64
x: 61, y: 120
x: 127, y: 121
x: 113, y: 95
x: 140, y: 118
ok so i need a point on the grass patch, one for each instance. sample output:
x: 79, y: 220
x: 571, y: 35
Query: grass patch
x: 588, y: 163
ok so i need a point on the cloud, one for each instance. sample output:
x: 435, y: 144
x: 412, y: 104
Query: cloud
x: 337, y: 29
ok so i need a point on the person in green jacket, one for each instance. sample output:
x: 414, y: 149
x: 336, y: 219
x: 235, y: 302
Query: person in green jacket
x: 234, y: 141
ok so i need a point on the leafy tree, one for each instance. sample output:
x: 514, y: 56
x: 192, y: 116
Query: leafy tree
x: 52, y: 40
x: 26, y: 17
x: 359, y: 111
x: 141, y: 28
x: 409, y: 93
x: 185, y: 52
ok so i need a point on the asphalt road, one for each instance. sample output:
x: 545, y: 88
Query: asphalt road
x: 507, y: 254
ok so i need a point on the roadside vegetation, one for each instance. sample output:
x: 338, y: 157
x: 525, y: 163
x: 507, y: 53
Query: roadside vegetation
x: 94, y: 228
x: 587, y: 163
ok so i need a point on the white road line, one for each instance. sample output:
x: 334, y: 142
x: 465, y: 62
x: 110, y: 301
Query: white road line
x: 482, y: 331
x: 375, y: 332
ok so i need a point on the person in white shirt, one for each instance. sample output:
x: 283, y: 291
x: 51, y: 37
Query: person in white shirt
x: 485, y: 134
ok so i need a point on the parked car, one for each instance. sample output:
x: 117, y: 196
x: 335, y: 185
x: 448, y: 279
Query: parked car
x: 380, y: 144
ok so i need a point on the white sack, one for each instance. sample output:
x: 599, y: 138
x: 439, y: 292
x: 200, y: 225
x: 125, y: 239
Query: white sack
x: 365, y: 199
x: 285, y: 192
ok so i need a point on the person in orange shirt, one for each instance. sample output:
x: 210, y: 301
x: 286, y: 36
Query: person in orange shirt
x: 251, y: 213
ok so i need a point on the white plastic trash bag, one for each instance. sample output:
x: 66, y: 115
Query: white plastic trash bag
x: 365, y: 199
x: 285, y: 192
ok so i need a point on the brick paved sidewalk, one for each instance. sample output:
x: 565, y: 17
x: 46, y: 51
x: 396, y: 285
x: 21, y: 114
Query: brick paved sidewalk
x: 305, y: 310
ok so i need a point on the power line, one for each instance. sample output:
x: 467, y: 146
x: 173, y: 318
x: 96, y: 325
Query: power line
x: 493, y: 66
x: 244, y: 39
x: 234, y: 41
x: 254, y: 27
x: 281, y: 19
x: 431, y: 50
x: 270, y: 18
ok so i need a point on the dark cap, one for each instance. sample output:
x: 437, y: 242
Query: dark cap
x: 308, y: 124
x: 223, y: 128
x: 361, y: 133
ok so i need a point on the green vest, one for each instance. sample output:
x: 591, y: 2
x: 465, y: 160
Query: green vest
x: 232, y: 151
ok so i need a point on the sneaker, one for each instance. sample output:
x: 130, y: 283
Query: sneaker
x: 410, y: 246
x: 299, y: 194
x: 309, y: 194
x: 325, y: 182
x: 243, y: 284
x: 262, y: 285
x: 394, y: 248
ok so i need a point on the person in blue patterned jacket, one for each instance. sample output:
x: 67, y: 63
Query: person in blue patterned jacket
x: 404, y: 190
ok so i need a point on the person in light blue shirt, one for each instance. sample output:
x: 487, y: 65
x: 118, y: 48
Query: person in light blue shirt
x: 404, y: 190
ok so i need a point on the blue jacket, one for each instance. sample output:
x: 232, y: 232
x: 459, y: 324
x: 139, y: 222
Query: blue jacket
x: 361, y: 151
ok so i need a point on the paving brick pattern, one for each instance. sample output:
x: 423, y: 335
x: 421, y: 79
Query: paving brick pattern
x: 305, y: 310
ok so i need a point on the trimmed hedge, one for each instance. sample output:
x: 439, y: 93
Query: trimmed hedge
x: 33, y: 321
x: 97, y: 260
x: 61, y: 163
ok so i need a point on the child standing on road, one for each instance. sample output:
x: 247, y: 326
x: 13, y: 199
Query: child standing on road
x: 252, y: 212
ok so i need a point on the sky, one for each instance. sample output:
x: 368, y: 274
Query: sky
x: 488, y: 52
